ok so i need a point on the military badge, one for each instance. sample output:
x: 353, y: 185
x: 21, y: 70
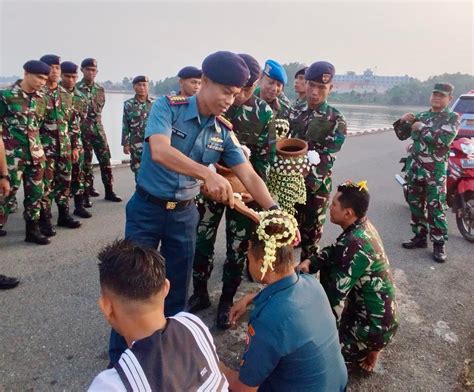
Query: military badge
x: 326, y: 78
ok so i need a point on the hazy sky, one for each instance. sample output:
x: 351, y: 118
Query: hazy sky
x: 158, y: 38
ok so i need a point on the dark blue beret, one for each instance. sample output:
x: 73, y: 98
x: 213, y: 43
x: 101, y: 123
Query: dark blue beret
x: 37, y: 67
x: 51, y: 59
x: 254, y: 68
x: 140, y: 78
x: 321, y: 72
x: 89, y: 62
x: 68, y: 67
x: 190, y: 72
x: 301, y: 72
x: 275, y: 70
x: 226, y: 68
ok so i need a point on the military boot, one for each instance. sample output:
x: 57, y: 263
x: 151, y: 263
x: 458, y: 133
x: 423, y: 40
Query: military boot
x: 439, y: 252
x: 79, y: 209
x: 223, y: 309
x: 66, y: 220
x: 3, y: 233
x: 87, y: 201
x: 45, y: 225
x: 200, y: 298
x: 418, y: 241
x: 110, y: 194
x: 93, y: 192
x: 33, y: 234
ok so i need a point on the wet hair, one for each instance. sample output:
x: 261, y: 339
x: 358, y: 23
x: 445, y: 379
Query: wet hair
x: 131, y: 271
x: 354, y: 197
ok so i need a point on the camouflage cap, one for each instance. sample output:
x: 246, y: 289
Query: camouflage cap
x: 443, y: 88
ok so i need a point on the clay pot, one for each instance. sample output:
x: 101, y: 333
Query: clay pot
x: 229, y: 175
x: 291, y: 148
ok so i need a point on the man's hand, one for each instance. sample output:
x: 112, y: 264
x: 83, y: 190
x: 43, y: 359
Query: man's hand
x: 304, y: 266
x: 75, y: 155
x: 408, y: 118
x: 417, y: 126
x: 246, y: 197
x: 126, y: 149
x: 4, y: 187
x: 240, y: 308
x: 218, y: 189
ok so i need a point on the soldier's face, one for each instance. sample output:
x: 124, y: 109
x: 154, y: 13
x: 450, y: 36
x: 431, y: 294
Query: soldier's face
x: 55, y: 73
x: 216, y: 98
x: 35, y: 82
x: 189, y: 87
x: 270, y: 89
x: 141, y: 89
x: 89, y: 73
x: 316, y: 93
x: 299, y: 85
x: 244, y: 95
x: 440, y: 101
x: 69, y: 80
x: 338, y: 213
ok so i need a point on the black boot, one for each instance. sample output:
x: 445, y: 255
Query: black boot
x: 439, y: 252
x: 66, y: 220
x: 79, y: 209
x: 225, y: 303
x: 110, y: 194
x: 33, y: 234
x: 45, y: 225
x: 93, y: 192
x: 200, y: 298
x: 3, y: 233
x: 418, y: 241
x: 87, y: 201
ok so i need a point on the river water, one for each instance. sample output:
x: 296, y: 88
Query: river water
x: 359, y: 118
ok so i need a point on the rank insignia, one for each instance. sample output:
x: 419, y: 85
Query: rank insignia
x: 177, y: 100
x: 326, y: 78
x: 225, y: 122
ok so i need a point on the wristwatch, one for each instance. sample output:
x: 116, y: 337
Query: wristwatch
x: 5, y: 176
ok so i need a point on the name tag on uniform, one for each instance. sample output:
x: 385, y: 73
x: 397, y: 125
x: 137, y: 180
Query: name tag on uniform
x: 177, y: 132
x: 215, y: 146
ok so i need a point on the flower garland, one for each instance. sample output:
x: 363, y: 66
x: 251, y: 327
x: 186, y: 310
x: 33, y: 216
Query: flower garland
x: 286, y: 181
x: 277, y: 240
x: 282, y: 127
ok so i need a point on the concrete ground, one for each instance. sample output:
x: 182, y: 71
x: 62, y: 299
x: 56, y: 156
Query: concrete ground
x: 55, y: 339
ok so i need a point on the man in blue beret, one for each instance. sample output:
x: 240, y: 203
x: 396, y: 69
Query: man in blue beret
x: 324, y: 128
x: 299, y: 85
x: 189, y: 81
x: 69, y: 76
x: 94, y: 137
x: 134, y: 119
x: 182, y: 138
x: 22, y: 108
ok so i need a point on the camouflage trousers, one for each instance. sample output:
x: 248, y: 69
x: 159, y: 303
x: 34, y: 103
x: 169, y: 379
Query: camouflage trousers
x: 238, y: 230
x: 32, y: 175
x: 57, y: 178
x: 135, y: 158
x: 427, y: 201
x: 359, y: 337
x: 95, y: 141
x: 78, y: 176
x: 311, y: 217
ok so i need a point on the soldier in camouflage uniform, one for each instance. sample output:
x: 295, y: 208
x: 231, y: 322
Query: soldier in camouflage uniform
x: 189, y: 81
x: 300, y: 86
x: 432, y: 133
x: 79, y: 113
x: 22, y: 108
x: 93, y: 134
x: 251, y: 118
x: 59, y: 137
x: 324, y: 129
x: 356, y: 277
x: 135, y: 115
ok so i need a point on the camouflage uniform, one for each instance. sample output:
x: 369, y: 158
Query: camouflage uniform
x: 325, y: 131
x: 426, y: 171
x: 356, y: 277
x: 252, y: 126
x: 21, y: 115
x: 135, y: 115
x: 93, y: 135
x: 58, y: 135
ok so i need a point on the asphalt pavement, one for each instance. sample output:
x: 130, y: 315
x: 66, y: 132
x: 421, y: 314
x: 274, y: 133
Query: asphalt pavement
x: 54, y: 338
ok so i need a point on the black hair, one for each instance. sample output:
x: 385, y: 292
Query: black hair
x: 131, y: 271
x: 354, y: 197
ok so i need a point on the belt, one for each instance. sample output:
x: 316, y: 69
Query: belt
x: 168, y: 204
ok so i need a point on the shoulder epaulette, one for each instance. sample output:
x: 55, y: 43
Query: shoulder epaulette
x: 225, y: 122
x: 177, y: 100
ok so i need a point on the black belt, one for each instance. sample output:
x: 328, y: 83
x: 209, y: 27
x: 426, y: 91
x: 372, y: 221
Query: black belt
x: 168, y: 204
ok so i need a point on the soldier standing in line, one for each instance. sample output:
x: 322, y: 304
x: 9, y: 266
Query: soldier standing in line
x: 251, y: 118
x: 22, y: 108
x: 432, y: 133
x: 60, y: 150
x: 93, y: 134
x: 79, y: 106
x: 299, y: 86
x: 324, y: 128
x: 135, y: 115
x: 189, y: 81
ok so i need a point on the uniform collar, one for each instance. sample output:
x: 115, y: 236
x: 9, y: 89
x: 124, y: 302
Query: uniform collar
x: 138, y: 101
x: 193, y: 112
x: 275, y: 288
x: 322, y: 109
x: 350, y: 228
x: 16, y: 89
